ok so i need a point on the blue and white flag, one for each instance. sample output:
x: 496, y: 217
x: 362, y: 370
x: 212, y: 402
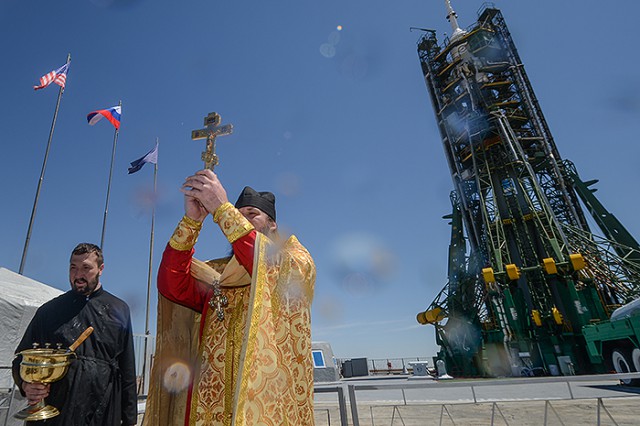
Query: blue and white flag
x: 149, y: 157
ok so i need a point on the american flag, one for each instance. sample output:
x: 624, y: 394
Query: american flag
x: 58, y: 77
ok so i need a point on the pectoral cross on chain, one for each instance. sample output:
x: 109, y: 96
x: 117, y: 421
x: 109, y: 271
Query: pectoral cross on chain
x: 211, y: 130
x: 218, y: 301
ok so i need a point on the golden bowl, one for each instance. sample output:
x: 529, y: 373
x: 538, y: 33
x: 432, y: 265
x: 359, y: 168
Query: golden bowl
x: 44, y: 365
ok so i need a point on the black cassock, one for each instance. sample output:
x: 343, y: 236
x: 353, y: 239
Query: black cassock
x: 100, y: 387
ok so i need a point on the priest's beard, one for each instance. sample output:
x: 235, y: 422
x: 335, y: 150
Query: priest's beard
x: 85, y: 286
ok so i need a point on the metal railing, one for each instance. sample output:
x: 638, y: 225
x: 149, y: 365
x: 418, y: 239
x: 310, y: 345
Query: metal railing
x: 475, y: 384
x: 342, y: 405
x: 7, y: 394
x: 386, y: 366
x: 143, y: 360
x: 472, y: 385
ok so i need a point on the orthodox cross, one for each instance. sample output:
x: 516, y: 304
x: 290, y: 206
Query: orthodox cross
x: 211, y: 130
x: 218, y: 301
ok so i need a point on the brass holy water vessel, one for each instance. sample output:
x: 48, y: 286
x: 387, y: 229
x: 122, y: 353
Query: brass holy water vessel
x: 46, y: 365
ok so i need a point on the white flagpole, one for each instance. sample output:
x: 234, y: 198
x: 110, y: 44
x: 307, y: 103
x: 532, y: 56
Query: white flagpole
x: 44, y: 166
x: 146, y: 322
x: 106, y: 205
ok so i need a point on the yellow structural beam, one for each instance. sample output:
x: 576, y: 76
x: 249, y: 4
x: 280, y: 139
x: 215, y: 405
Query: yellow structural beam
x: 488, y: 275
x: 549, y: 266
x: 577, y: 261
x: 537, y: 319
x: 431, y: 316
x: 513, y: 272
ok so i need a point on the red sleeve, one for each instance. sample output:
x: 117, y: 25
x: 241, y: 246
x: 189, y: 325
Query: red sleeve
x: 243, y: 250
x: 175, y: 281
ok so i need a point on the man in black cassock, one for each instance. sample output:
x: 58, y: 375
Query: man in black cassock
x: 99, y: 388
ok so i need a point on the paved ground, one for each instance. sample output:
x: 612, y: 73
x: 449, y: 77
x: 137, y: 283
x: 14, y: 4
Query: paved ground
x: 517, y: 402
x: 624, y: 411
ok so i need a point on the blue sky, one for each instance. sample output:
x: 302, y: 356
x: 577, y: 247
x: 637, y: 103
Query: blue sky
x: 337, y: 122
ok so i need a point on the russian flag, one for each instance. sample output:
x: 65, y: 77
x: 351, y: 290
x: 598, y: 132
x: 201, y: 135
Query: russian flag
x: 112, y: 114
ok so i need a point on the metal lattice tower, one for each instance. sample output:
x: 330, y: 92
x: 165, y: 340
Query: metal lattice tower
x: 533, y: 273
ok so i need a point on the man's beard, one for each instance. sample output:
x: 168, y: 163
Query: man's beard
x: 266, y: 230
x: 88, y: 286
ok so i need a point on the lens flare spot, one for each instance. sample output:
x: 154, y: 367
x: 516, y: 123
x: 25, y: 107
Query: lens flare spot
x: 330, y: 309
x: 362, y: 263
x: 327, y: 50
x: 288, y: 184
x: 334, y: 38
x: 177, y: 377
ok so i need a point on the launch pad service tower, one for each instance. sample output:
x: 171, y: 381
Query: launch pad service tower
x: 526, y: 274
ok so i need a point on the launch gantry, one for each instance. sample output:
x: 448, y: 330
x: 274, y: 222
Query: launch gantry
x: 525, y: 271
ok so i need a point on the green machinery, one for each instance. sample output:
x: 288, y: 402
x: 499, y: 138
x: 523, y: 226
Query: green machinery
x: 526, y: 273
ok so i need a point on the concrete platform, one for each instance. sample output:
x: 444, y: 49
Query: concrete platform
x: 624, y: 411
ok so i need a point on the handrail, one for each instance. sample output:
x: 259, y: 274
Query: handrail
x: 342, y: 405
x: 11, y: 392
x: 472, y: 384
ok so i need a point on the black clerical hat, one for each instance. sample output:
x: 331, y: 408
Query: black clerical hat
x: 265, y: 201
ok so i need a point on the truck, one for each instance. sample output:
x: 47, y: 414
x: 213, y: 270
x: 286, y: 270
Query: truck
x: 615, y: 343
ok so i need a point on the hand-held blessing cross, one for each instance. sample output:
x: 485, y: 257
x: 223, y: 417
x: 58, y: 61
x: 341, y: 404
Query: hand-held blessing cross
x: 210, y: 131
x: 218, y: 301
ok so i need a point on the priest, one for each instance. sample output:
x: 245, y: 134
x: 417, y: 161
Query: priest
x: 99, y: 388
x: 234, y: 335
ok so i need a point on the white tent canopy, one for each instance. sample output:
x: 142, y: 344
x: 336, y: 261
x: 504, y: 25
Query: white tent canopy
x: 20, y: 297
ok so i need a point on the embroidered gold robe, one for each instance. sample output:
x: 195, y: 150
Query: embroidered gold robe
x: 252, y: 368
